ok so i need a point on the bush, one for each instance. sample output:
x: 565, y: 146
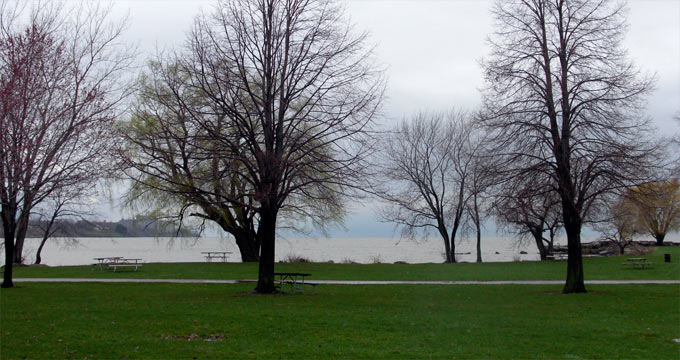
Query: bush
x: 292, y: 258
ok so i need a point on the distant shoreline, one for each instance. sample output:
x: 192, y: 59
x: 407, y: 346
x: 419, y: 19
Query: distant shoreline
x: 124, y: 228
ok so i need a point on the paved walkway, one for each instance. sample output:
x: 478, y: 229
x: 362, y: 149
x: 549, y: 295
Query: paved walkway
x: 353, y: 282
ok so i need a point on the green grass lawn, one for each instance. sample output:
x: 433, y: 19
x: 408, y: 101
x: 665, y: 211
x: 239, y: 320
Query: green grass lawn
x: 123, y: 320
x: 195, y: 321
x: 606, y: 268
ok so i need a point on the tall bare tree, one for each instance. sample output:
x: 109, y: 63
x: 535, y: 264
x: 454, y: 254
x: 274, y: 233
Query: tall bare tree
x: 60, y: 86
x: 562, y: 96
x: 299, y: 92
x: 424, y: 165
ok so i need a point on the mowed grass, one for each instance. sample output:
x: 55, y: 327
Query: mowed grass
x: 196, y: 321
x: 604, y: 268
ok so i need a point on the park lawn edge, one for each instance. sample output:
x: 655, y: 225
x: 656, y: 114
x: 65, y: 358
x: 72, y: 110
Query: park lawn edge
x: 599, y: 268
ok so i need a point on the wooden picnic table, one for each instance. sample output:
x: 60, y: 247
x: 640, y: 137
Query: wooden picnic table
x: 209, y: 255
x: 115, y: 262
x: 638, y: 262
x: 117, y: 265
x: 295, y: 280
x: 129, y: 261
x: 105, y: 261
x: 557, y: 256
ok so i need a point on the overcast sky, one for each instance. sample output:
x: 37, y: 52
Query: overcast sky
x: 432, y: 51
x: 432, y: 48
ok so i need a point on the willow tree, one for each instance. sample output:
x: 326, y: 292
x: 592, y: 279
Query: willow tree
x: 657, y: 206
x: 562, y: 96
x: 176, y: 166
x: 299, y: 92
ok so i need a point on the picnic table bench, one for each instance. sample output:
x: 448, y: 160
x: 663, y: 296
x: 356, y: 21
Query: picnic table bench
x: 639, y: 263
x: 295, y: 281
x: 103, y: 262
x: 557, y: 256
x: 115, y: 266
x: 209, y: 255
x: 115, y: 262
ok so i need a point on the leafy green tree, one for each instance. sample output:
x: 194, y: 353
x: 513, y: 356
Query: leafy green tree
x: 176, y: 165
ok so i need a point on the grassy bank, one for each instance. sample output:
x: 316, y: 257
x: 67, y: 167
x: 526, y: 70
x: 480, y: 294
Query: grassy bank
x: 224, y: 321
x: 606, y: 268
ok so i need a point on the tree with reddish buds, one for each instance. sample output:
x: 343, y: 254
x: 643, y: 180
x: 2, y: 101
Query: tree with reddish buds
x: 60, y: 80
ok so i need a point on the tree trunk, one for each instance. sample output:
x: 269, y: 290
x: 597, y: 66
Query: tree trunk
x: 479, y: 244
x: 9, y: 229
x: 453, y: 241
x: 552, y: 241
x: 9, y: 262
x: 20, y: 236
x: 450, y: 257
x: 479, y: 230
x: 447, y: 246
x: 538, y: 238
x: 47, y: 234
x: 38, y: 259
x: 266, y: 234
x: 248, y: 246
x: 246, y: 239
x: 572, y: 226
x: 456, y: 224
x: 456, y: 220
x: 659, y: 239
x: 622, y: 247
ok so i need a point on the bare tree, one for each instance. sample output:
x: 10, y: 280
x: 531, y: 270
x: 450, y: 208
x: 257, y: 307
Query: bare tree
x: 675, y: 149
x: 60, y: 86
x: 298, y: 91
x: 562, y: 98
x: 424, y: 167
x: 63, y: 203
x: 620, y: 222
x: 529, y: 206
x: 482, y: 177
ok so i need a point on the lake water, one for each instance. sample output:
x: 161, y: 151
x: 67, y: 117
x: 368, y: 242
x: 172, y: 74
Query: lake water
x: 362, y: 250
